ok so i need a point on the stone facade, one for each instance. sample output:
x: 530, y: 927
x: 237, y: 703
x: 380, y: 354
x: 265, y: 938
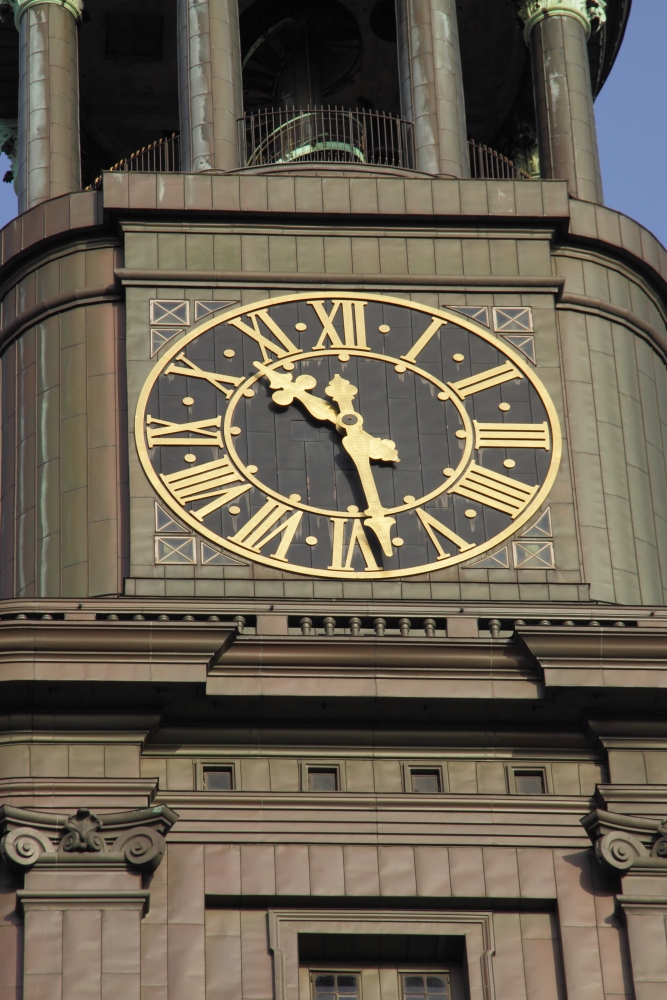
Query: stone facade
x: 222, y: 780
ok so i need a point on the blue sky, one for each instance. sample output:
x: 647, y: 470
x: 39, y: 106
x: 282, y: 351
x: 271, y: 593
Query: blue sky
x: 631, y: 127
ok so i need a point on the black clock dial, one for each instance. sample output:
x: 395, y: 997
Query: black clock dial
x: 336, y: 435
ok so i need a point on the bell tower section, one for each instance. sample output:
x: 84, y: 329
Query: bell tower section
x: 333, y: 531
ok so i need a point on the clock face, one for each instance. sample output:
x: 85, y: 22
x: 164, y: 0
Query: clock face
x: 331, y: 434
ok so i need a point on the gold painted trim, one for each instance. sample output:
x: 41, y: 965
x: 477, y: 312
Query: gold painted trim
x: 449, y: 316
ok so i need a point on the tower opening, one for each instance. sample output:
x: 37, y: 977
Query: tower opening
x: 320, y: 84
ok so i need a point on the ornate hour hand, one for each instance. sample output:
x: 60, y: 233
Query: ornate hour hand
x: 290, y: 389
x: 360, y: 446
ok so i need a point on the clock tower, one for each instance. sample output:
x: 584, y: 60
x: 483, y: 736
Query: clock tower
x: 333, y: 537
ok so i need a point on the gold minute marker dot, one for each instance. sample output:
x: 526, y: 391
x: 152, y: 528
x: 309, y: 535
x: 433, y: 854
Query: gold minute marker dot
x: 248, y: 393
x: 295, y: 497
x: 383, y: 328
x: 397, y: 542
x: 300, y: 327
x: 234, y: 511
x: 343, y: 356
x: 311, y: 540
x: 458, y: 358
x: 448, y: 472
x: 509, y: 463
x: 187, y: 400
x: 234, y: 430
x: 252, y: 469
x: 408, y: 499
x: 229, y: 353
x: 470, y: 512
x: 353, y: 509
x: 190, y: 458
x: 504, y: 407
x: 461, y: 434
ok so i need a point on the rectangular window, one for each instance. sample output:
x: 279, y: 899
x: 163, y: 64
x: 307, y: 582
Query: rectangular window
x: 426, y: 780
x: 322, y: 779
x: 218, y: 779
x: 529, y: 782
x: 335, y: 986
x: 427, y: 986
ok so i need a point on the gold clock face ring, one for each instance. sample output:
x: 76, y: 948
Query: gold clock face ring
x: 337, y: 435
x: 241, y: 394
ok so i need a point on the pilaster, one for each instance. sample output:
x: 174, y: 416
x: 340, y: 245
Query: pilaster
x: 557, y: 33
x: 83, y: 896
x: 635, y: 850
x: 431, y: 82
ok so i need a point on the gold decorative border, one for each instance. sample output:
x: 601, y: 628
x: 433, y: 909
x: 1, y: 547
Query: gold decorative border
x: 449, y: 316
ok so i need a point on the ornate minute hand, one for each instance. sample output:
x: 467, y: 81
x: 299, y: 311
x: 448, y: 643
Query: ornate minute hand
x: 362, y: 447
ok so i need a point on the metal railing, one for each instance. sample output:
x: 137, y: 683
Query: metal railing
x: 325, y: 135
x: 161, y: 156
x: 487, y: 163
x: 319, y: 135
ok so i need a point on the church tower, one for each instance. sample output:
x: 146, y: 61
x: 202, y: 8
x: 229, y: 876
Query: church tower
x: 333, y: 508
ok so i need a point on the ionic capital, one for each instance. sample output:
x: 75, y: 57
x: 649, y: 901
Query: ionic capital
x: 585, y: 11
x: 19, y: 7
x: 137, y: 838
x: 625, y: 842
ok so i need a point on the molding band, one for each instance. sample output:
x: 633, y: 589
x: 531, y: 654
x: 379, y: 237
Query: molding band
x: 83, y: 899
x: 548, y: 283
x: 585, y: 12
x: 56, y: 304
x: 583, y: 303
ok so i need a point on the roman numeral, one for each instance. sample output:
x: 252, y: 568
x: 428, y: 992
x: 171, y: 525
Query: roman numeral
x: 484, y: 380
x: 358, y: 540
x: 164, y: 432
x: 512, y: 435
x: 354, y: 324
x: 427, y: 335
x: 494, y: 490
x: 265, y: 344
x: 217, y: 381
x: 433, y: 528
x: 259, y: 530
x: 212, y: 479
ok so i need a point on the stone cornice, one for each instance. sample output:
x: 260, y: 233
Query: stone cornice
x: 137, y: 650
x: 19, y: 7
x: 344, y: 666
x: 136, y: 837
x: 586, y: 12
x: 598, y: 657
